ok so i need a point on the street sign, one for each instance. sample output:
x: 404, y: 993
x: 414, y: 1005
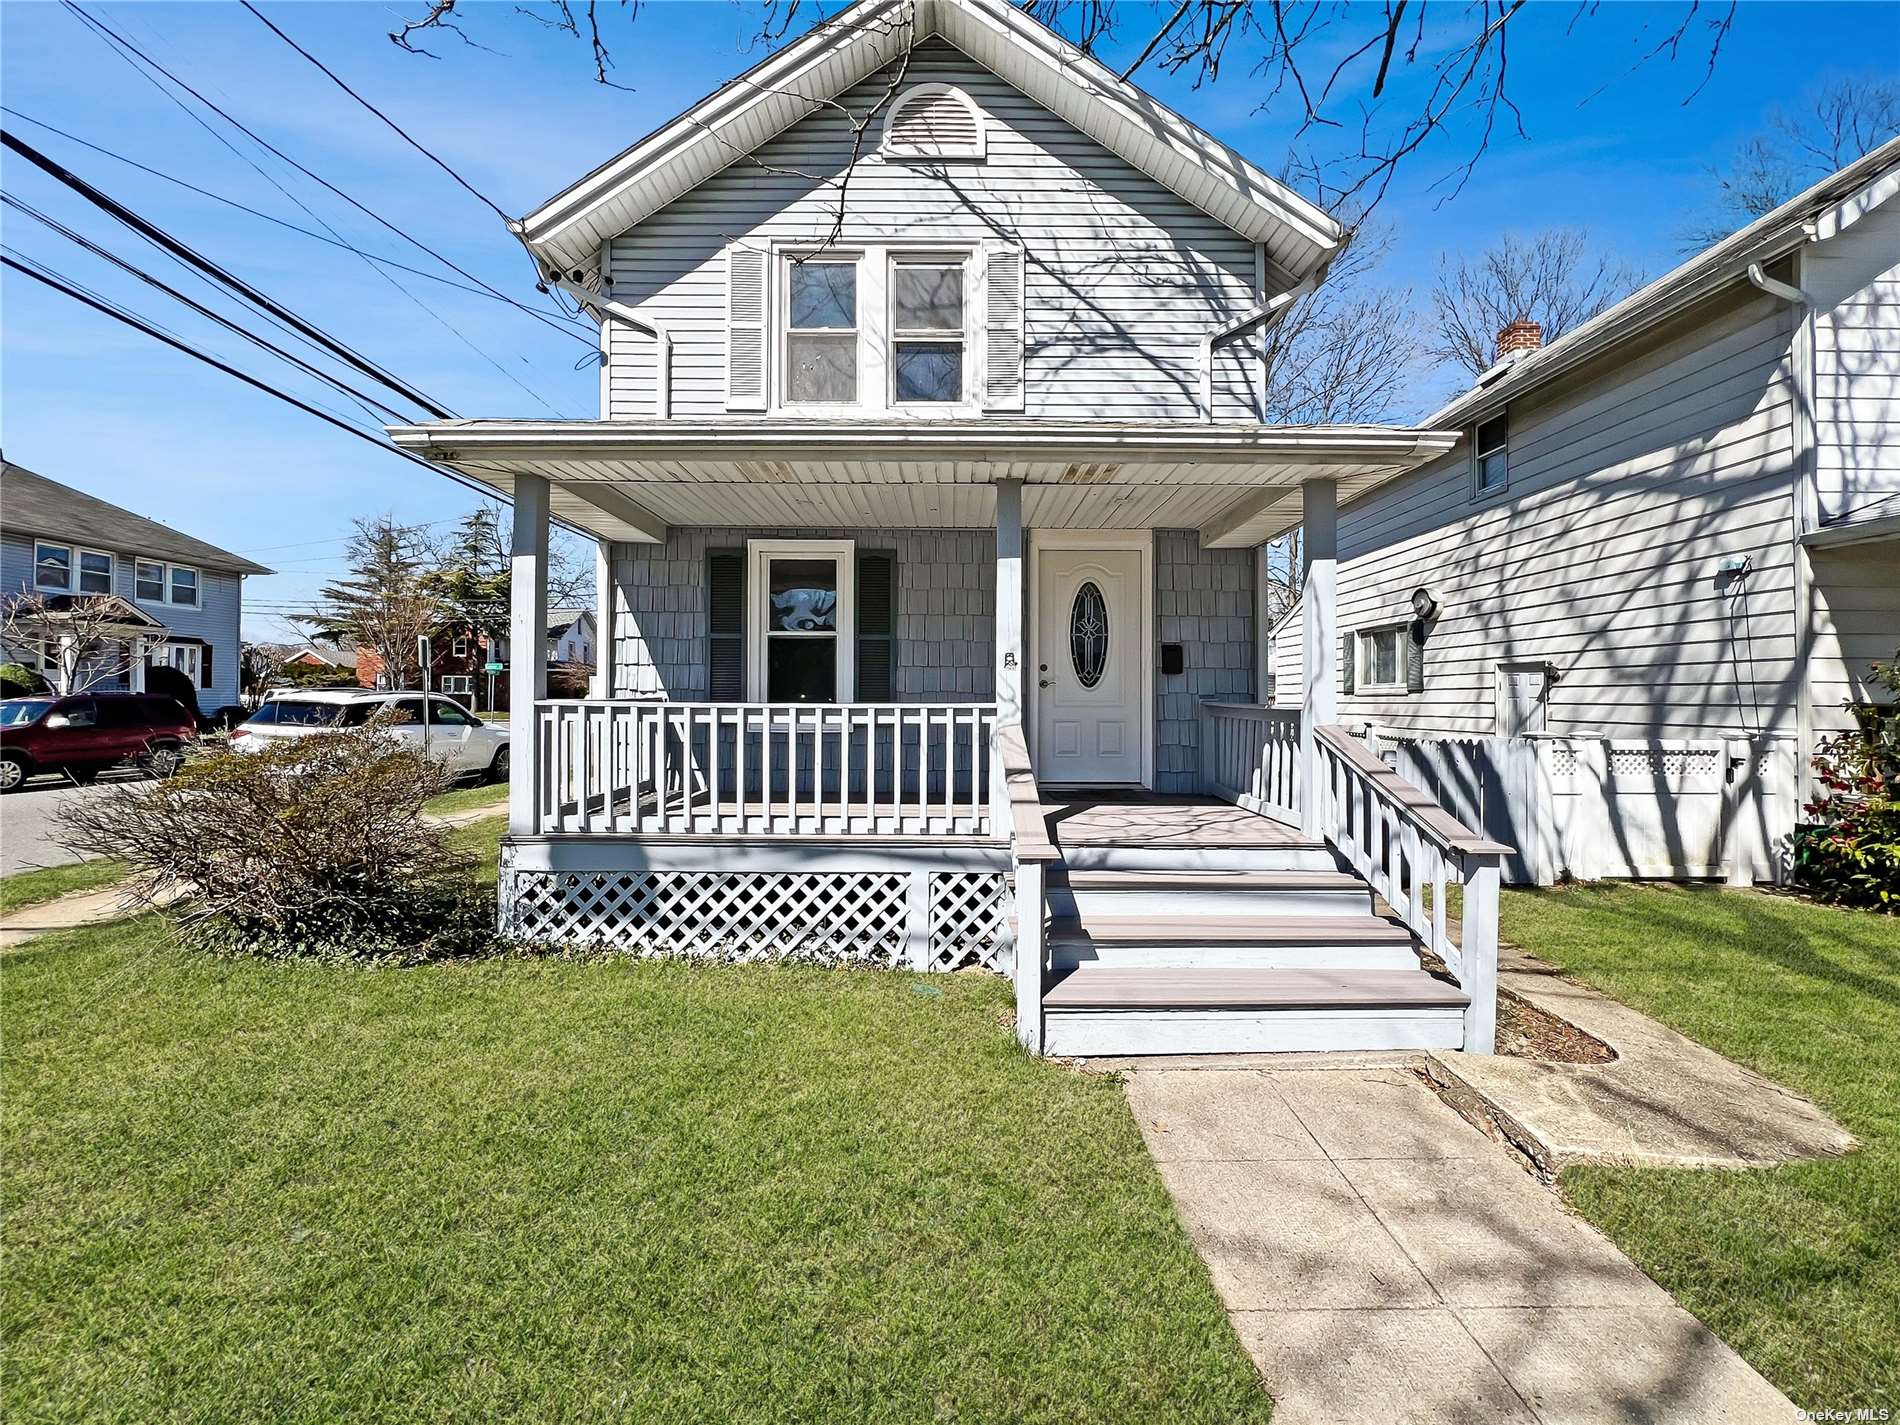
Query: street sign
x: 494, y: 668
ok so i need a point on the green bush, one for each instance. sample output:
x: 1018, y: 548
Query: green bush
x: 1849, y: 852
x: 19, y: 681
x: 311, y: 847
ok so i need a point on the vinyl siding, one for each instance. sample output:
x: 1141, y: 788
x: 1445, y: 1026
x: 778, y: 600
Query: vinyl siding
x: 1629, y: 483
x: 1122, y: 277
x: 1857, y: 618
x: 215, y: 621
x: 1854, y: 283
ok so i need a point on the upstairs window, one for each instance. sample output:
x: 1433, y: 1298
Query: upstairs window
x: 1491, y: 469
x: 934, y: 121
x: 821, y: 332
x: 53, y: 568
x: 149, y: 585
x: 95, y: 572
x: 184, y: 586
x: 927, y: 330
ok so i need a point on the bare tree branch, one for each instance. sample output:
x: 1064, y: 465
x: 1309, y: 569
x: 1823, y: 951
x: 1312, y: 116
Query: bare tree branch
x: 1550, y: 278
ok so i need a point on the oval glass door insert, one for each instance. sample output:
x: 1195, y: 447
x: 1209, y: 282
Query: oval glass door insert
x: 1088, y: 634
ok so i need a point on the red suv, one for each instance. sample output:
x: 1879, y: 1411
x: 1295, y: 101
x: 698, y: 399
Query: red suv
x: 86, y: 733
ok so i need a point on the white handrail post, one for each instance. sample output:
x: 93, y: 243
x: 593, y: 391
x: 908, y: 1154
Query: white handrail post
x: 1478, y: 950
x: 1028, y: 967
x: 1319, y: 634
x: 527, y: 637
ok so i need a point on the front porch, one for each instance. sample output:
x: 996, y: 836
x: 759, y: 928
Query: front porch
x: 907, y: 662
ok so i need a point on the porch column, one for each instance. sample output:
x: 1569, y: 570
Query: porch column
x: 527, y: 645
x: 1009, y: 602
x: 603, y: 621
x: 1319, y: 636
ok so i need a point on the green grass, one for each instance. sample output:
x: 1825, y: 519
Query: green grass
x: 1797, y: 1267
x: 573, y: 1191
x: 479, y: 794
x: 25, y: 888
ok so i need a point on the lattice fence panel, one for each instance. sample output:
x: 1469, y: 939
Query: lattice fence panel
x: 969, y: 920
x: 828, y: 917
x: 1672, y: 762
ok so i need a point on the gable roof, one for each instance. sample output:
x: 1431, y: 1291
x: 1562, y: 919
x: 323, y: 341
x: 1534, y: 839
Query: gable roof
x: 568, y: 229
x: 32, y: 505
x: 1818, y: 213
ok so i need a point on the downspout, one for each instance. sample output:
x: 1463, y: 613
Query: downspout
x: 1265, y: 315
x: 1775, y: 287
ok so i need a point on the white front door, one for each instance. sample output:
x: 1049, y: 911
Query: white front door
x: 1090, y: 642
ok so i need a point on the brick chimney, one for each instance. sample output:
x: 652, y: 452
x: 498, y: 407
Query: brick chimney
x: 1519, y: 336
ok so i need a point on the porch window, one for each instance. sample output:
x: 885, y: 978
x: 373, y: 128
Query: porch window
x: 184, y: 586
x: 1491, y: 456
x: 149, y: 584
x: 53, y: 568
x: 821, y: 332
x: 1381, y: 667
x: 927, y: 330
x: 802, y: 620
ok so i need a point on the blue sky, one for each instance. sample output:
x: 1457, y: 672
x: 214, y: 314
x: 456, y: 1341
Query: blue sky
x: 1609, y: 145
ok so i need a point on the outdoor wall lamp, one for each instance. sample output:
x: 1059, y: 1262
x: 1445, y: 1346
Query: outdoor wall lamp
x: 1424, y: 606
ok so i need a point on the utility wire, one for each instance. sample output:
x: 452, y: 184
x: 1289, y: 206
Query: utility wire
x: 99, y: 26
x: 311, y: 233
x: 363, y: 398
x: 162, y: 239
x: 63, y: 285
x: 493, y: 207
x: 125, y: 50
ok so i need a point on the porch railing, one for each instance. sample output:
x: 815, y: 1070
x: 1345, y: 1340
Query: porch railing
x: 1413, y: 852
x: 624, y: 767
x: 1251, y: 756
x: 1019, y: 816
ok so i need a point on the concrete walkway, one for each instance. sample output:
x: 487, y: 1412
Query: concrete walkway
x: 108, y: 902
x: 1665, y: 1102
x: 1383, y: 1260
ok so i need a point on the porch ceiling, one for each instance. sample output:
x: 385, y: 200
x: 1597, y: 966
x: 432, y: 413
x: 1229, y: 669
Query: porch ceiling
x: 1238, y: 483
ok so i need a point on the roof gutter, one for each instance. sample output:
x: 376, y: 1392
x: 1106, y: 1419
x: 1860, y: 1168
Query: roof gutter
x: 606, y: 308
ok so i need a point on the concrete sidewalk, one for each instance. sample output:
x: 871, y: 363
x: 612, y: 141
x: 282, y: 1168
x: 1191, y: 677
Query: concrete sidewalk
x: 1381, y: 1259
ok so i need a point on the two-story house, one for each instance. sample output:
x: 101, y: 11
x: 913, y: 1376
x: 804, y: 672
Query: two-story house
x: 929, y: 480
x: 182, y: 599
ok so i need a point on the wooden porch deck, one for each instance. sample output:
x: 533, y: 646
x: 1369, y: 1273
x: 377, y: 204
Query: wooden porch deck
x: 1088, y: 817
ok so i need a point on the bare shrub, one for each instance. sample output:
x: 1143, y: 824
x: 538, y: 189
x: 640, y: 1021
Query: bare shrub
x: 313, y: 847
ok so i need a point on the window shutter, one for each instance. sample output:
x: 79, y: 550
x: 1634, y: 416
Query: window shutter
x: 1415, y: 657
x: 1003, y: 327
x: 725, y: 625
x: 877, y: 626
x: 204, y: 666
x: 1346, y: 662
x: 745, y: 328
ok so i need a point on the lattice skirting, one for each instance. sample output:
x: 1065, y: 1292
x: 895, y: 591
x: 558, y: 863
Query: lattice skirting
x: 935, y: 920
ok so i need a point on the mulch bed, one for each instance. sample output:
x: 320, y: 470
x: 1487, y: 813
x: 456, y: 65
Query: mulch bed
x: 1527, y: 1032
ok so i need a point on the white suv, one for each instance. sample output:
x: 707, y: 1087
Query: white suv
x: 452, y: 734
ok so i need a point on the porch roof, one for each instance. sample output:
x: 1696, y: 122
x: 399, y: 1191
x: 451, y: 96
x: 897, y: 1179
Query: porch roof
x: 1237, y: 482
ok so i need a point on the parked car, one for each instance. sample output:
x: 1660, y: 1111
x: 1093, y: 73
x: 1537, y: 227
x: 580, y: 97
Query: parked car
x: 469, y: 746
x: 85, y: 733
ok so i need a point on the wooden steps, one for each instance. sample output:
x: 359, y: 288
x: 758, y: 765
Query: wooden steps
x: 1104, y: 1010
x: 1241, y: 942
x: 1281, y: 891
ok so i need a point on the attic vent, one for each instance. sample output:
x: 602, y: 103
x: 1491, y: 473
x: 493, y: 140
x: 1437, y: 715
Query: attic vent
x: 934, y: 121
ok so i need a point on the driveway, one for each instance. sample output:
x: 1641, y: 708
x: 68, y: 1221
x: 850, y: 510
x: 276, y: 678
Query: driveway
x: 26, y: 821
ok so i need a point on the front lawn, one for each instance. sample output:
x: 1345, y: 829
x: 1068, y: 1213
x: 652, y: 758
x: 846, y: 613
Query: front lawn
x: 573, y: 1191
x: 1797, y: 1267
x: 48, y: 883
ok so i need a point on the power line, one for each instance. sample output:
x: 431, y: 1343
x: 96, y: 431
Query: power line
x: 363, y: 398
x: 125, y: 50
x: 164, y: 240
x: 337, y: 242
x: 493, y: 207
x: 107, y: 31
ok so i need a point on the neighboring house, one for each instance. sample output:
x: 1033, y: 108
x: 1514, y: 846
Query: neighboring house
x: 1662, y: 555
x: 570, y: 636
x: 318, y: 654
x: 458, y: 657
x: 930, y: 509
x: 177, y: 600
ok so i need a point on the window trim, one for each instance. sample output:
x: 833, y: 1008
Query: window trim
x: 759, y: 555
x: 165, y: 568
x: 875, y: 376
x: 780, y: 320
x: 79, y: 569
x: 1363, y: 681
x: 164, y: 580
x: 963, y: 258
x: 196, y: 601
x: 1480, y: 490
x: 72, y: 567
